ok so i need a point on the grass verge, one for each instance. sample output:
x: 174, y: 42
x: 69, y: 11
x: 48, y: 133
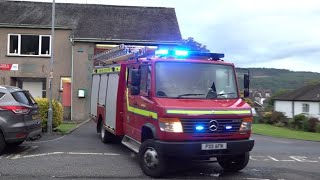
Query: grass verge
x: 269, y: 130
x: 66, y: 127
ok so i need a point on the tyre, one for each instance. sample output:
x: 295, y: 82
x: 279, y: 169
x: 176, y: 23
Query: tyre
x: 151, y: 160
x: 2, y: 143
x: 234, y: 163
x: 15, y: 144
x: 106, y: 136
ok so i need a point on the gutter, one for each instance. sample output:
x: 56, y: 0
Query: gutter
x: 126, y: 41
x: 34, y: 26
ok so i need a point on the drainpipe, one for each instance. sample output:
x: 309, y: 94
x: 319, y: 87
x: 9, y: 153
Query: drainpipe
x: 292, y: 109
x: 72, y: 58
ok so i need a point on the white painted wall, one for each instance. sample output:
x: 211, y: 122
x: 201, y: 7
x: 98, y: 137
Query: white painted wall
x: 286, y: 108
x: 283, y: 106
x: 314, y: 109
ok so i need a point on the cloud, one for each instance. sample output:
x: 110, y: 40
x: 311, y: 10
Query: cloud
x: 251, y: 33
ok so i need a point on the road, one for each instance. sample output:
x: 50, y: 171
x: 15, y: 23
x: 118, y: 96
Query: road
x: 81, y: 155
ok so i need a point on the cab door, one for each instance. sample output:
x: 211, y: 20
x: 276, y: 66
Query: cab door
x: 130, y: 104
x: 144, y: 103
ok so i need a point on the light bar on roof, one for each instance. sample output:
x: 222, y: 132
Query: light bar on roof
x: 162, y: 52
x: 181, y: 52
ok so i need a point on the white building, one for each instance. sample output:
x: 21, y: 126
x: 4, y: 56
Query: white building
x: 305, y: 100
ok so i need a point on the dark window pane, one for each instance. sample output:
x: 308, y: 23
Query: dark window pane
x: 29, y: 45
x: 45, y: 45
x: 24, y: 97
x: 13, y: 44
x: 1, y: 94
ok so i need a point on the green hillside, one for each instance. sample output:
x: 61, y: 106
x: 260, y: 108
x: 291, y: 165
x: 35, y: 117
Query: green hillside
x: 276, y: 79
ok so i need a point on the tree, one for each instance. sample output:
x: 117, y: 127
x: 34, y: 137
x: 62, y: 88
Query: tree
x: 193, y: 45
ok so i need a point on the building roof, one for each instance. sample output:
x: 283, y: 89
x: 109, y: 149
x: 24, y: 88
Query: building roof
x: 306, y: 93
x: 89, y: 21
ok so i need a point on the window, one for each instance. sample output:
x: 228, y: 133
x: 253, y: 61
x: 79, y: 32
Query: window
x: 305, y: 108
x: 2, y: 95
x: 24, y: 97
x: 195, y: 80
x: 29, y: 45
x: 145, y: 79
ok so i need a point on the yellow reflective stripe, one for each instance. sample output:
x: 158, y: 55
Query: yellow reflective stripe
x: 107, y: 70
x: 140, y: 111
x: 117, y: 69
x: 199, y: 112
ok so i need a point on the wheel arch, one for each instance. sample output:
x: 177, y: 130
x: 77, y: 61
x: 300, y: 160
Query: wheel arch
x: 148, y: 131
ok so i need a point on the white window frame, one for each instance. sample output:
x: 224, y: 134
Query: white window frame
x: 19, y: 45
x: 61, y: 81
x: 305, y: 106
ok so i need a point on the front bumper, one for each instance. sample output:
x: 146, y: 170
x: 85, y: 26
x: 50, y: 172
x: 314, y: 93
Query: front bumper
x: 193, y: 150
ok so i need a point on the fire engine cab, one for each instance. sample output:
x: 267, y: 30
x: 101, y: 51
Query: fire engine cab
x: 170, y: 103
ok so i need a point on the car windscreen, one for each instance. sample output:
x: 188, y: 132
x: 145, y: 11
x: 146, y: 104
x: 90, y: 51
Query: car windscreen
x: 24, y: 97
x: 195, y: 80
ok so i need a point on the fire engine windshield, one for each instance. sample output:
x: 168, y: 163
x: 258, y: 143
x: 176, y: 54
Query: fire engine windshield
x: 195, y: 80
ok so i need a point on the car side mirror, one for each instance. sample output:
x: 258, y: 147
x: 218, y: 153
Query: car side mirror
x: 246, y: 85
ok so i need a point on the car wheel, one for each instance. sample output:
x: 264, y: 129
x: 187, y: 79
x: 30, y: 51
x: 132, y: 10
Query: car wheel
x: 151, y: 160
x: 2, y: 143
x: 106, y: 136
x: 234, y: 163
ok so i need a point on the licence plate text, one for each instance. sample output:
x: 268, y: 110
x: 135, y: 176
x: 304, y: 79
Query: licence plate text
x: 213, y: 146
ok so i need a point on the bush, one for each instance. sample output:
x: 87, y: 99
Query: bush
x: 312, y: 124
x: 278, y: 117
x: 274, y: 117
x: 318, y: 128
x: 280, y: 124
x: 57, y: 109
x: 299, y: 122
x: 266, y: 117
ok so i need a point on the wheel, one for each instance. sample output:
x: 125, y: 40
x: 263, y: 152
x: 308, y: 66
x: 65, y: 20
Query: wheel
x: 2, y: 143
x: 15, y: 144
x: 151, y: 161
x: 234, y: 163
x: 106, y: 136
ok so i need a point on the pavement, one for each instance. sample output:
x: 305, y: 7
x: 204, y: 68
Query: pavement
x: 56, y: 135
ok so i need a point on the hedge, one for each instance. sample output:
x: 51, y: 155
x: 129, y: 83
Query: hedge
x: 57, y: 109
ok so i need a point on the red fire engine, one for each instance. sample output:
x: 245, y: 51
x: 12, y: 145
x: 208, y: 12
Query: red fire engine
x: 167, y: 103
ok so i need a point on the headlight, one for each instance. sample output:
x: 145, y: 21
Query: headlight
x: 246, y: 124
x: 170, y: 125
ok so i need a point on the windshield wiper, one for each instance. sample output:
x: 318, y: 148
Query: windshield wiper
x: 222, y: 94
x: 179, y: 96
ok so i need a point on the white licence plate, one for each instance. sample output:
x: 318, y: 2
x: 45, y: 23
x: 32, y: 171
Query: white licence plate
x: 212, y: 146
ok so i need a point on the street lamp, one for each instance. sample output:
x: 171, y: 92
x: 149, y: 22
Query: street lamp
x: 50, y: 111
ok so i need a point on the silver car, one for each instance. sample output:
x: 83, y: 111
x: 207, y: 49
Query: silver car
x: 19, y: 117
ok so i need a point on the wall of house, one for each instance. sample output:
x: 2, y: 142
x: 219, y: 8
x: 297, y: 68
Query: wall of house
x: 82, y: 70
x: 33, y: 68
x: 286, y: 108
x: 283, y: 106
x: 314, y: 109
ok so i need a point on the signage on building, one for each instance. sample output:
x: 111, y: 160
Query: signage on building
x: 9, y: 67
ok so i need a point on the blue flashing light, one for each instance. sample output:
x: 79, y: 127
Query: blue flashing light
x: 162, y: 52
x: 199, y: 128
x: 181, y: 53
x: 228, y: 127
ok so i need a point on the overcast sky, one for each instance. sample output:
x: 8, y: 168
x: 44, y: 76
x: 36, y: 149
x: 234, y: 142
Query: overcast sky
x: 252, y: 33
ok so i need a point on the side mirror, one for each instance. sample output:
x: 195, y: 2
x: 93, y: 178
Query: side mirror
x: 135, y: 77
x: 135, y: 90
x: 246, y: 85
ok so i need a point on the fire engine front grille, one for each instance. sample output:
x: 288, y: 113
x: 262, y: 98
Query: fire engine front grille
x: 203, y: 125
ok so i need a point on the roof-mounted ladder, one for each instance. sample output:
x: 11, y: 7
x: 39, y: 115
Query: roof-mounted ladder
x: 120, y: 53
